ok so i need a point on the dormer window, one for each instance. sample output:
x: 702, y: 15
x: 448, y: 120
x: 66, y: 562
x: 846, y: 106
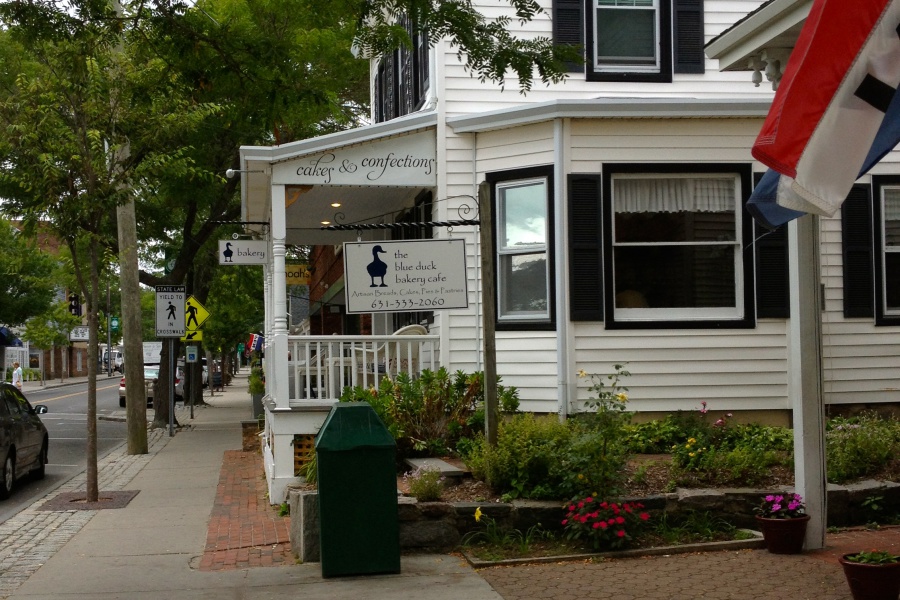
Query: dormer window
x: 632, y: 40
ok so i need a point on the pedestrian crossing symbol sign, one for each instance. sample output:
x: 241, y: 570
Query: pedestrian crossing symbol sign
x: 195, y: 314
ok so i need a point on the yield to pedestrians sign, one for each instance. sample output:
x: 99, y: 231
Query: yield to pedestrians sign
x: 170, y: 310
x: 195, y: 314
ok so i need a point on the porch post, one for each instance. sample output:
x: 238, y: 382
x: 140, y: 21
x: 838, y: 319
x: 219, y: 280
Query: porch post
x: 279, y: 346
x: 805, y: 374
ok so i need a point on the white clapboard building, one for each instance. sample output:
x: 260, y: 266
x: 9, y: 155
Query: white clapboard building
x: 619, y: 231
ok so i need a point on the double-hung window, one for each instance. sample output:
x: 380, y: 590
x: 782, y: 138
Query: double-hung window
x: 626, y: 35
x: 522, y: 226
x: 674, y: 247
x: 632, y: 40
x: 888, y: 258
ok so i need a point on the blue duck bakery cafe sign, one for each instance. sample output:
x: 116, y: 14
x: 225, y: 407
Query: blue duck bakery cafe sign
x: 405, y: 276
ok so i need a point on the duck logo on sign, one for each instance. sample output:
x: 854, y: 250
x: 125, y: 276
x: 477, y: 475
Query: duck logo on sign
x: 243, y: 252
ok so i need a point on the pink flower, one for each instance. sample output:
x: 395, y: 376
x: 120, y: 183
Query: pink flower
x: 602, y: 525
x: 564, y: 521
x: 581, y: 505
x: 620, y: 533
x: 588, y: 499
x: 611, y: 521
x: 596, y: 525
x: 620, y: 520
x: 644, y: 516
x: 571, y: 508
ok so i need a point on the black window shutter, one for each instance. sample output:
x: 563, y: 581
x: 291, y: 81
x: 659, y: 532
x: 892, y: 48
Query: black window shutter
x: 585, y: 249
x: 856, y: 239
x: 568, y: 27
x: 687, y: 25
x: 773, y: 296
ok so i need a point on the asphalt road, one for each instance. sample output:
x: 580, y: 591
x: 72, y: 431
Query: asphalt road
x: 66, y: 422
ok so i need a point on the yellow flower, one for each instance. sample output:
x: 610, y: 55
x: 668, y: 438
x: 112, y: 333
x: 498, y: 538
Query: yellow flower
x: 691, y: 454
x: 582, y: 373
x: 580, y: 476
x: 622, y: 397
x: 692, y: 441
x: 478, y: 514
x: 687, y: 446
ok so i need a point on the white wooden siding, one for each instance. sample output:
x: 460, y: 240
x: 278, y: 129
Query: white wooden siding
x: 462, y: 93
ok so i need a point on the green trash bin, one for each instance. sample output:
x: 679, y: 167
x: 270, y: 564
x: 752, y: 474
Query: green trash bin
x: 359, y: 532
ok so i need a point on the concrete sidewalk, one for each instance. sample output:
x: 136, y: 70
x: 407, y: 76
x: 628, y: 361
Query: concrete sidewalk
x: 153, y: 547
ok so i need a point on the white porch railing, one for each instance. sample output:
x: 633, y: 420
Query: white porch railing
x: 321, y: 366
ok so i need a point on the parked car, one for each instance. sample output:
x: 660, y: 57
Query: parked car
x: 118, y: 360
x: 151, y: 374
x: 24, y: 441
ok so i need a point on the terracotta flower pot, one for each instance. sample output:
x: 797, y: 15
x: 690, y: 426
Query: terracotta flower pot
x: 783, y: 536
x: 872, y: 582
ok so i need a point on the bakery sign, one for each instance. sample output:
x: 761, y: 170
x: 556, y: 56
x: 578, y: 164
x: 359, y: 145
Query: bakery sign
x: 405, y: 161
x: 405, y: 276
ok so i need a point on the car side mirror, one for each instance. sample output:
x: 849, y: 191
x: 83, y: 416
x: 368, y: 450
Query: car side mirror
x: 40, y: 409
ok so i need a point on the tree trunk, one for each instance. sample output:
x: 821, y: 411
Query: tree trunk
x: 135, y: 392
x: 92, y: 489
x: 166, y: 383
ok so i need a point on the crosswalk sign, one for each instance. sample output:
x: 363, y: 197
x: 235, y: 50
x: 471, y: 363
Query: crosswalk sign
x: 195, y: 314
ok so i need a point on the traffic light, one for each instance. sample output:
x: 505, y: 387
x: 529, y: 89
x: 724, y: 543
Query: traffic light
x: 75, y: 304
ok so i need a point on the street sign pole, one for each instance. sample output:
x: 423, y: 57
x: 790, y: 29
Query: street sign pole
x: 171, y: 387
x: 170, y: 323
x: 108, y: 333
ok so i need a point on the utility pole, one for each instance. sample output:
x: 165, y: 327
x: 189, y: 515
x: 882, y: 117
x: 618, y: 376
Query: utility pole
x: 135, y: 392
x: 108, y: 333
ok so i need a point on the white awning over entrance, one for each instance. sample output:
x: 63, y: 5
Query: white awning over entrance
x: 364, y: 175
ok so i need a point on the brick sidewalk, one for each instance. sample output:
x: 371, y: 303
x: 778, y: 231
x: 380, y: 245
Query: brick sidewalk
x: 244, y: 529
x: 728, y: 575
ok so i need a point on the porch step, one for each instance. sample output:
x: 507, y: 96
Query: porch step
x: 446, y: 469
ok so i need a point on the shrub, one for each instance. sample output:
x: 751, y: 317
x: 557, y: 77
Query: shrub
x: 653, y: 437
x: 859, y: 446
x: 520, y: 464
x: 604, y: 525
x: 429, y: 415
x: 590, y: 462
x: 425, y: 484
x: 723, y: 466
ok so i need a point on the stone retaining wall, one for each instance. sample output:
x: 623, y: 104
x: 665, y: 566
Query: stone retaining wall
x: 440, y: 526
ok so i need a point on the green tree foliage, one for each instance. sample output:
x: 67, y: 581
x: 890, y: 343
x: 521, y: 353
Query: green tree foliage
x: 51, y: 327
x: 236, y: 308
x: 26, y: 287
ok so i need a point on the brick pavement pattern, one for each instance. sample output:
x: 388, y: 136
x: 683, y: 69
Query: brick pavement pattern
x: 725, y: 575
x: 244, y: 530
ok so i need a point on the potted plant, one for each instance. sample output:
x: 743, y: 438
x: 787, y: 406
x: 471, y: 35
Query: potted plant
x: 872, y: 575
x: 782, y: 519
x: 257, y: 387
